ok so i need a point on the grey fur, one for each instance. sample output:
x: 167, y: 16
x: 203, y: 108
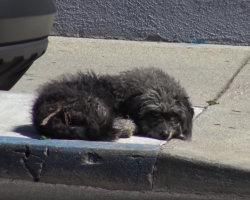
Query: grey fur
x: 141, y: 101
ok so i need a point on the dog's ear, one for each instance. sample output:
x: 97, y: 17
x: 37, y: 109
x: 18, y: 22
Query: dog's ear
x: 132, y: 105
x: 150, y: 99
x: 190, y: 123
x: 191, y: 111
x: 186, y: 115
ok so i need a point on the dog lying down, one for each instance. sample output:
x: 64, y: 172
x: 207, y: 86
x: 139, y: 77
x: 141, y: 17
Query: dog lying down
x: 141, y: 101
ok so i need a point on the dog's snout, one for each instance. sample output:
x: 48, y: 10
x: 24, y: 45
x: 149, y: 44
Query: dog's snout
x: 165, y: 134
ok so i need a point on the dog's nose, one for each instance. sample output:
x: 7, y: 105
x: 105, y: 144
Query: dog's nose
x: 168, y: 135
x: 165, y: 134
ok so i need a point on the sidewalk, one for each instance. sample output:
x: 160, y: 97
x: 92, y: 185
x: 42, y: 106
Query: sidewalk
x: 217, y: 160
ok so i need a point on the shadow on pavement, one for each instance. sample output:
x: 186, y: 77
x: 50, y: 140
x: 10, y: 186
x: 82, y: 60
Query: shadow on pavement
x: 27, y: 130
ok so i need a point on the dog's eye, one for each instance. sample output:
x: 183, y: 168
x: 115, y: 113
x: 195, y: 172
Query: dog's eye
x: 171, y: 117
x: 155, y: 114
x: 174, y: 119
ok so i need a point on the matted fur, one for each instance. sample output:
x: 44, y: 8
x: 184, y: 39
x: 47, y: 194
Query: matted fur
x: 141, y: 101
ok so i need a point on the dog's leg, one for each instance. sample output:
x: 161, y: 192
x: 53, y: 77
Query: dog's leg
x: 123, y: 128
x: 82, y: 116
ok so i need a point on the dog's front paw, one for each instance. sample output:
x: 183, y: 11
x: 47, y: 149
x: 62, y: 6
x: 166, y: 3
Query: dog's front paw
x: 125, y: 127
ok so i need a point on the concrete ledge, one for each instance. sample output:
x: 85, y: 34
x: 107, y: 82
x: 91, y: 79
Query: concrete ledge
x: 193, y: 21
x: 98, y: 164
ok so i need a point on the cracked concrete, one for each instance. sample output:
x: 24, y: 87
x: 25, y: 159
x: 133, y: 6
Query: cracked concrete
x: 227, y: 86
x: 99, y: 164
x: 92, y: 158
x: 31, y: 162
x: 230, y: 81
x: 34, y: 166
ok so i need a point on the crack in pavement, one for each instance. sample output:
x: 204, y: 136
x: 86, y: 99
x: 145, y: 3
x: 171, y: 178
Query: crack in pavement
x: 33, y: 163
x: 229, y: 83
x: 140, y: 166
x: 154, y: 169
x: 227, y: 86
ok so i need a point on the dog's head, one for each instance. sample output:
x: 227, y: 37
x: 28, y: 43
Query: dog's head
x: 163, y: 116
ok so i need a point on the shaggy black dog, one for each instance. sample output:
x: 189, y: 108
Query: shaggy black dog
x: 141, y: 101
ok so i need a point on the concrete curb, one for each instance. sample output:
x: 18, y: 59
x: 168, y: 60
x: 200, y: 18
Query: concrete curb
x: 98, y: 164
x: 191, y: 175
x: 116, y: 166
x: 193, y: 21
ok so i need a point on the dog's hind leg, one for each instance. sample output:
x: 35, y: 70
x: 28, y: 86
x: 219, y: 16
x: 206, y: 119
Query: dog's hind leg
x: 81, y: 116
